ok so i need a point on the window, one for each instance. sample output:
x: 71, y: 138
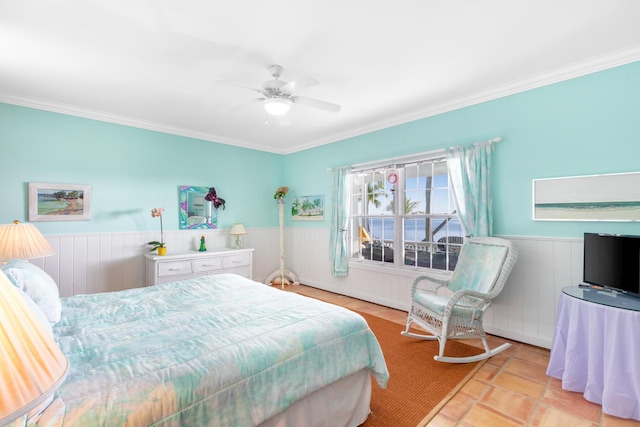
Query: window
x: 405, y: 215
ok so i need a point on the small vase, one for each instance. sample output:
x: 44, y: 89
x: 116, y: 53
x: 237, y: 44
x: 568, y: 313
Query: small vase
x: 162, y: 251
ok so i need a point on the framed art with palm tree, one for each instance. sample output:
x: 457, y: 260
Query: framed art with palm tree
x: 307, y: 208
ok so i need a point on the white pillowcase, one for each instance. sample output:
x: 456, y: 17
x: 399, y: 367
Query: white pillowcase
x: 37, y: 284
x: 36, y: 310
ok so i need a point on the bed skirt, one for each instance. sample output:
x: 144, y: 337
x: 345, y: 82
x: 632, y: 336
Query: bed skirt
x: 343, y: 403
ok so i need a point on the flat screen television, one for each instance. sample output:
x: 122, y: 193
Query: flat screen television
x: 612, y: 261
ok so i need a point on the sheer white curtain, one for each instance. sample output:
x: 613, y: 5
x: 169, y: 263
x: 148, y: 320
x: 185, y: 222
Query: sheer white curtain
x: 470, y: 174
x: 338, y: 254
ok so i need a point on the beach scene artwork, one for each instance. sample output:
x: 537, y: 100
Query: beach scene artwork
x: 308, y: 208
x: 610, y: 197
x: 58, y: 202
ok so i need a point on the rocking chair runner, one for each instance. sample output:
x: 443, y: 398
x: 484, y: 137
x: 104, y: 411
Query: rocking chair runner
x: 480, y: 274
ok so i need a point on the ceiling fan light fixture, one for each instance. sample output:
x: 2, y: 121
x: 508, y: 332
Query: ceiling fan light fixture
x: 277, y: 106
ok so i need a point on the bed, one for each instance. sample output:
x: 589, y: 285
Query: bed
x: 212, y: 351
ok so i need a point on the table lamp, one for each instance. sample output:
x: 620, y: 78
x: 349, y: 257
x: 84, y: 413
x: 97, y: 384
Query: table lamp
x: 238, y: 230
x: 33, y: 366
x: 22, y: 241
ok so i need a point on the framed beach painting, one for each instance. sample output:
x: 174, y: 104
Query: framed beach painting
x: 59, y: 202
x: 610, y: 197
x: 307, y: 208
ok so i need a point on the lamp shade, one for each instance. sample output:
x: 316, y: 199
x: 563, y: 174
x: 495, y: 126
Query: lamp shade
x: 238, y: 230
x: 22, y: 241
x: 32, y: 365
x: 277, y: 106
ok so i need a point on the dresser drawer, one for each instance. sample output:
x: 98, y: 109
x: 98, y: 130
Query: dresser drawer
x: 189, y: 265
x: 236, y: 260
x: 174, y: 268
x: 207, y: 264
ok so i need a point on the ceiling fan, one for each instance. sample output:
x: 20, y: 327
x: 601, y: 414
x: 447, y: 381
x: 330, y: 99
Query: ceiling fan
x: 278, y: 95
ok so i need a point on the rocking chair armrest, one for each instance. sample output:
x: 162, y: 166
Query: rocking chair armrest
x: 428, y: 283
x: 480, y: 299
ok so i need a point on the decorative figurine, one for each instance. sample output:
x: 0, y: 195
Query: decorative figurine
x: 212, y: 196
x: 203, y: 248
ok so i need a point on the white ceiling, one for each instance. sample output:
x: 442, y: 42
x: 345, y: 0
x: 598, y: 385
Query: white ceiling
x: 158, y: 64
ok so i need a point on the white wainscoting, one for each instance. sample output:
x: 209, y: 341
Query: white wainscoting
x: 525, y: 311
x: 106, y: 262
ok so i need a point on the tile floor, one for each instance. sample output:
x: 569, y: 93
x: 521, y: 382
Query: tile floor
x: 511, y: 388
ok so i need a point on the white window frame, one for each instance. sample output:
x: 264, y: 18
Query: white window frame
x: 450, y: 248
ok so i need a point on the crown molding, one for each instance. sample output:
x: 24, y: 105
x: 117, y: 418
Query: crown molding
x: 593, y: 65
x: 578, y: 69
x: 102, y: 116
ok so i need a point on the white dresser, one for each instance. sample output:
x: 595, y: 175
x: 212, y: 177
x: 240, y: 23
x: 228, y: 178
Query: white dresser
x: 187, y: 265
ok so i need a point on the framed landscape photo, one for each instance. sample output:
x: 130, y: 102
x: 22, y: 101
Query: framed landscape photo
x: 607, y: 197
x: 308, y: 208
x: 59, y: 202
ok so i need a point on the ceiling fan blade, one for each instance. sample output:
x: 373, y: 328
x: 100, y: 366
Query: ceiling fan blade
x: 240, y: 85
x: 299, y: 84
x: 316, y: 103
x: 242, y: 106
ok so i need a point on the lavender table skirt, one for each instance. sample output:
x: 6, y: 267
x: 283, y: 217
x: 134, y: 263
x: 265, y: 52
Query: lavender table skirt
x: 596, y: 351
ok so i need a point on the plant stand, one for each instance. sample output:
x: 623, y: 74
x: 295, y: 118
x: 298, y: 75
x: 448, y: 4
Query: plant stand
x: 282, y: 276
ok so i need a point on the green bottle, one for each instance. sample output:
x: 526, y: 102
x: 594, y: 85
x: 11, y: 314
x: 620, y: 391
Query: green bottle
x: 203, y: 248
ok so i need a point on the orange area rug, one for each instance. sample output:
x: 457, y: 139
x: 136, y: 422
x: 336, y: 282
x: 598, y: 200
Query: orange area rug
x: 418, y: 385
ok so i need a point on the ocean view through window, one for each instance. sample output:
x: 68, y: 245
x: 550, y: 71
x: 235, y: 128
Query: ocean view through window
x: 404, y: 214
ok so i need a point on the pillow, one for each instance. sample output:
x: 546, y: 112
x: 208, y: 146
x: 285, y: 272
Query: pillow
x: 38, y: 313
x: 36, y: 283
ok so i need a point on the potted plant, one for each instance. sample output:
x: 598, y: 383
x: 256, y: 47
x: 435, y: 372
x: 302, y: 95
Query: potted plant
x: 159, y: 245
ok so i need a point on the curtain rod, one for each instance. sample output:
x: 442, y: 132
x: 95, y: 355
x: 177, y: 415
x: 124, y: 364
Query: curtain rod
x: 390, y: 162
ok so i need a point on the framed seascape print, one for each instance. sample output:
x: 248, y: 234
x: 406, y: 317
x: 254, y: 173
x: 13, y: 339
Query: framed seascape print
x: 308, y: 208
x: 611, y: 197
x: 59, y: 202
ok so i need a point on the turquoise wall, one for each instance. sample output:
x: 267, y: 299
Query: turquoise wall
x: 587, y: 125
x: 130, y: 171
x: 583, y: 126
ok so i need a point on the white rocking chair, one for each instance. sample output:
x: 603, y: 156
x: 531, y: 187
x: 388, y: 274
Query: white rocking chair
x: 482, y: 269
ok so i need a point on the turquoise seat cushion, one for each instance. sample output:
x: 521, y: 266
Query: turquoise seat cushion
x: 438, y: 304
x: 478, y: 267
x: 433, y: 302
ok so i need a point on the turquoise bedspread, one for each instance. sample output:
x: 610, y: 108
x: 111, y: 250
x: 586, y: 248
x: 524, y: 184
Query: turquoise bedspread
x: 218, y: 351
